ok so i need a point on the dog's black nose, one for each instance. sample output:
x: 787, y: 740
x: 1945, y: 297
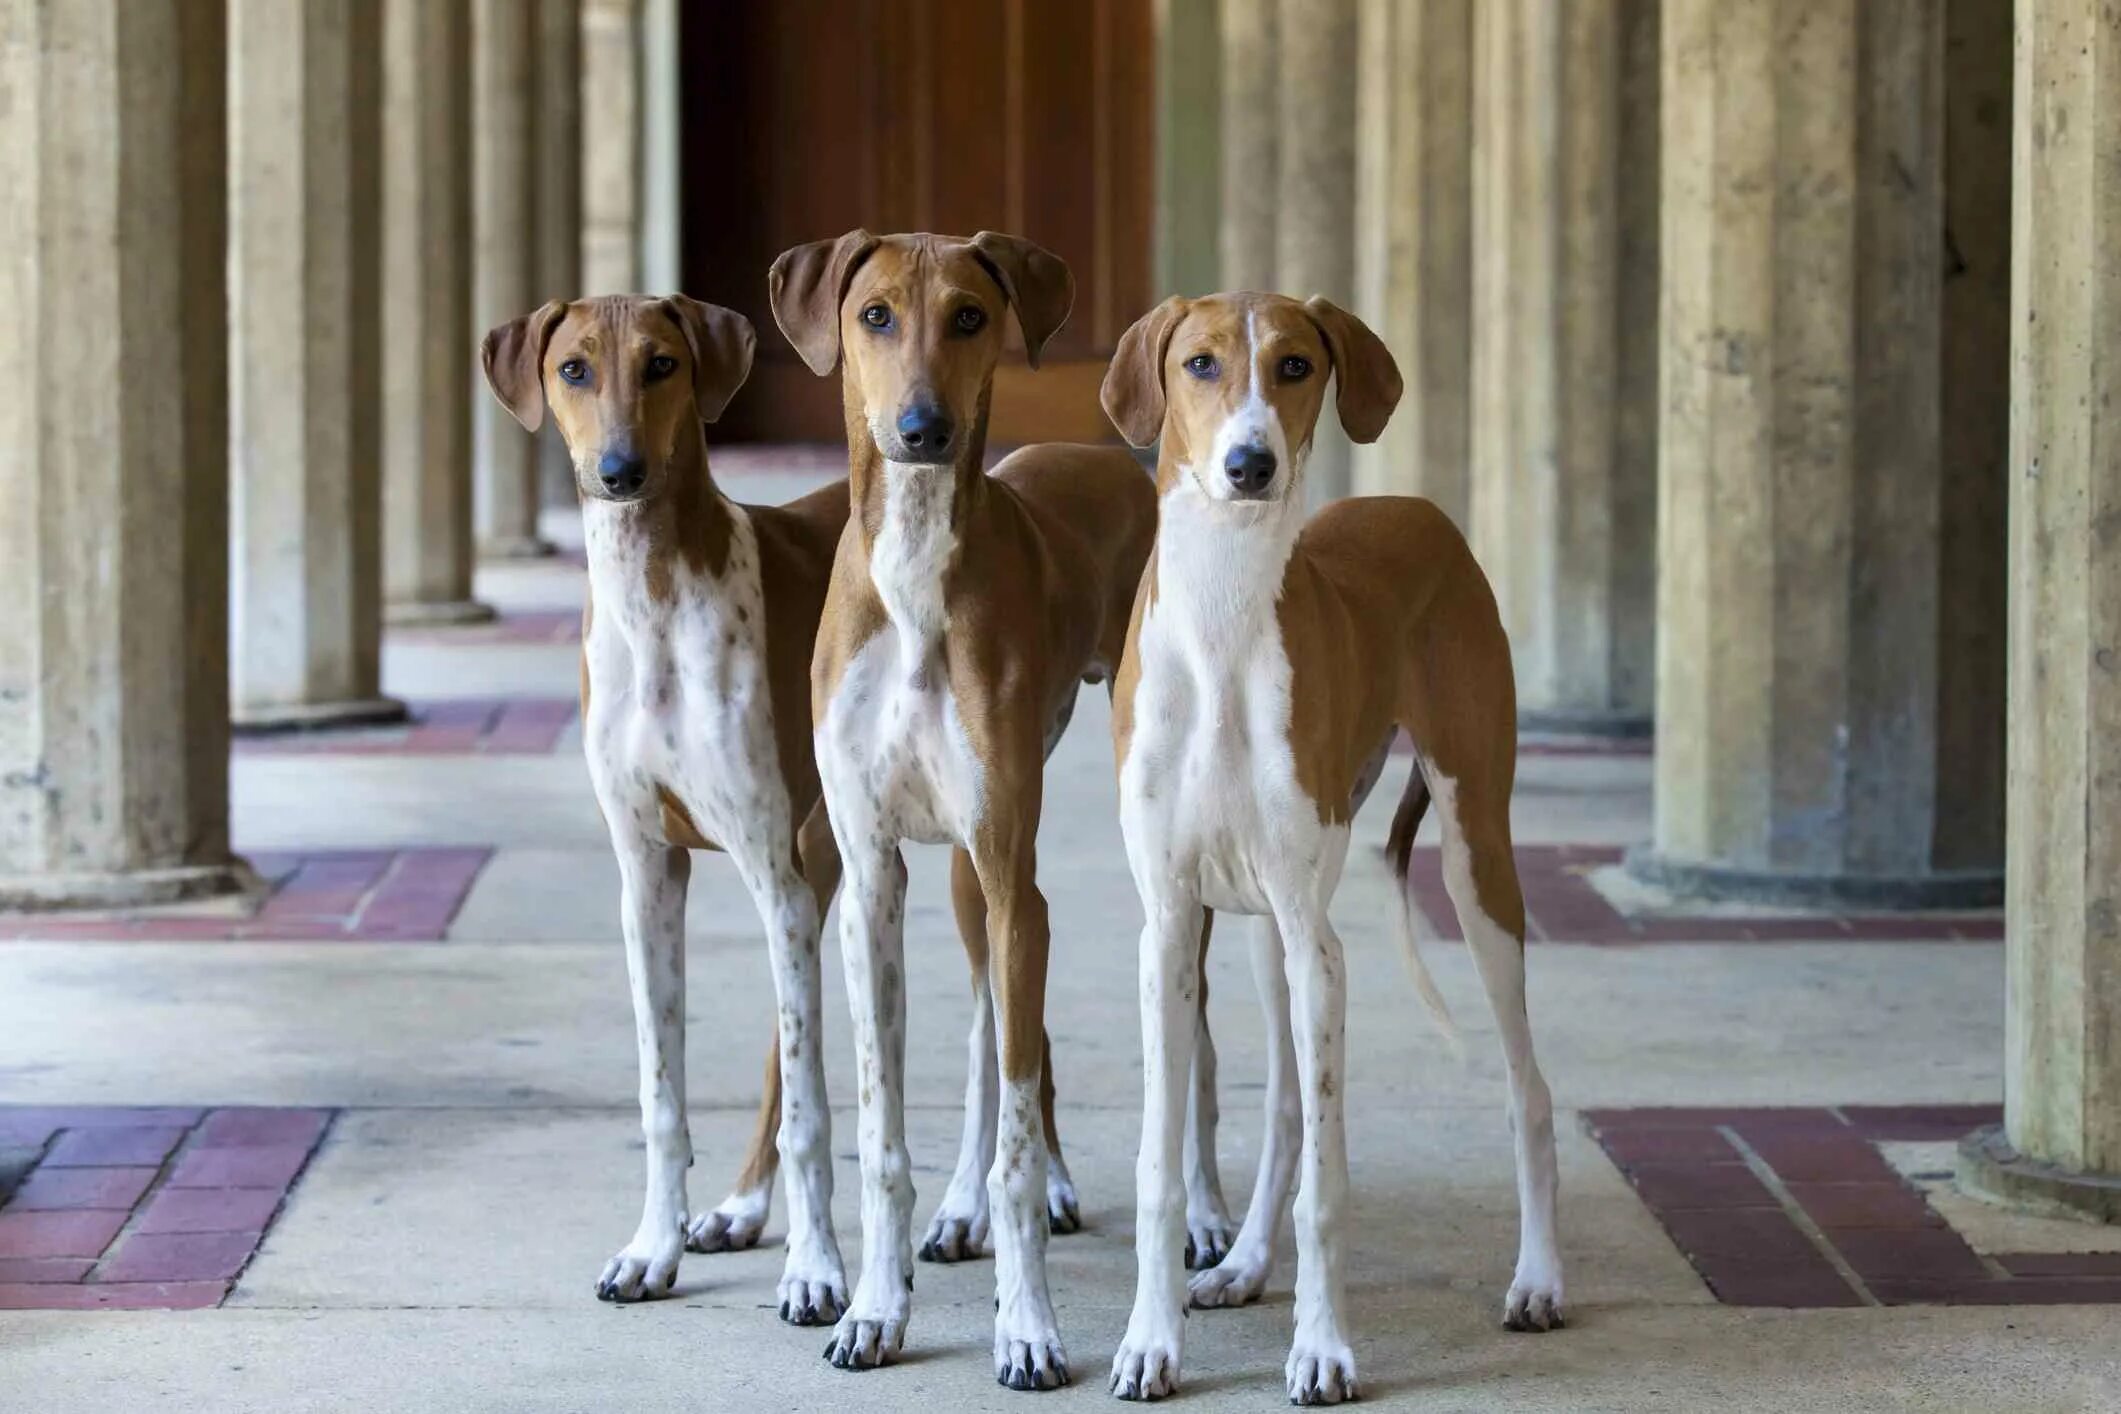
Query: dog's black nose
x: 621, y: 475
x: 925, y: 429
x: 1251, y: 467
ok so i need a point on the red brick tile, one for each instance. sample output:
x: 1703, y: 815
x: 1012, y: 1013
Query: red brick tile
x: 134, y: 1296
x: 1824, y: 1157
x: 80, y: 1233
x: 1911, y: 1254
x: 103, y: 1116
x: 1667, y: 1187
x: 255, y: 1128
x: 179, y: 1256
x: 210, y: 1210
x: 326, y: 887
x: 127, y: 1145
x: 1800, y: 1288
x: 1750, y: 1118
x: 2062, y: 1264
x: 1757, y: 1237
x: 1919, y: 1122
x: 50, y: 1189
x: 239, y: 1168
x: 1864, y: 1205
x: 1632, y: 1146
x: 16, y: 1270
x: 19, y: 1131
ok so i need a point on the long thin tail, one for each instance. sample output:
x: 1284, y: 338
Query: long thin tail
x: 1399, y: 854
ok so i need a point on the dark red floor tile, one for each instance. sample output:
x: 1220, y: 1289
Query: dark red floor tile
x: 178, y: 1256
x: 1819, y: 1157
x: 103, y: 1116
x: 1748, y: 1117
x: 1864, y: 1205
x: 1908, y: 1254
x: 1667, y: 1187
x: 1697, y: 1143
x: 146, y: 1145
x: 210, y: 1210
x: 1751, y: 1237
x: 2062, y: 1264
x: 1919, y: 1123
x: 1808, y: 1287
x: 50, y: 1189
x: 254, y: 1128
x: 239, y: 1168
x: 78, y: 1233
x: 134, y: 1296
x: 17, y: 1270
x: 326, y: 888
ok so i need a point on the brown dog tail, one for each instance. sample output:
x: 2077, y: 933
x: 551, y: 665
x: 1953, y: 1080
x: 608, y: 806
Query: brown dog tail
x: 1399, y: 854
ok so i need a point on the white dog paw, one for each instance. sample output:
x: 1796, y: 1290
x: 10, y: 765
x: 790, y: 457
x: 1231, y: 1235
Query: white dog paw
x: 733, y: 1226
x: 1237, y: 1280
x: 812, y: 1293
x: 1029, y: 1360
x: 956, y: 1236
x: 1320, y: 1372
x: 1209, y: 1234
x: 646, y: 1269
x: 1533, y: 1306
x: 1145, y: 1371
x: 1064, y: 1210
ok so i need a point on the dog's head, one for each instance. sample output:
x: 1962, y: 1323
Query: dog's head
x: 918, y: 320
x: 1233, y: 384
x: 628, y: 378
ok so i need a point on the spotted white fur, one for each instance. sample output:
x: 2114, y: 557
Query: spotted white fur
x: 679, y: 698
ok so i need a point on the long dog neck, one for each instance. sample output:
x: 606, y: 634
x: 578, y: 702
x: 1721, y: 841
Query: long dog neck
x: 634, y: 547
x: 1221, y: 564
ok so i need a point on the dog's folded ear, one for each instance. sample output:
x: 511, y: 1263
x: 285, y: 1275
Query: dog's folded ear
x: 1040, y: 287
x: 1133, y: 390
x: 721, y: 342
x: 1368, y: 376
x: 806, y: 286
x: 514, y: 357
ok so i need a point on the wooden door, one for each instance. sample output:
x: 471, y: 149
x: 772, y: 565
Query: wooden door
x: 805, y: 118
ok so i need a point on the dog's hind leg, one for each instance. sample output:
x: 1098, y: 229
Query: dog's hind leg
x: 1209, y: 1230
x: 959, y: 1228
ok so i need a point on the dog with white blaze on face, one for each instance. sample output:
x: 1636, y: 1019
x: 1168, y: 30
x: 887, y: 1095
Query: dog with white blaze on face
x: 1268, y: 664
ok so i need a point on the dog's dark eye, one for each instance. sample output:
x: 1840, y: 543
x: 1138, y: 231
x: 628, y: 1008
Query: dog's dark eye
x: 971, y: 319
x: 575, y: 371
x: 1203, y: 366
x: 661, y: 367
x: 877, y: 316
x: 1295, y: 369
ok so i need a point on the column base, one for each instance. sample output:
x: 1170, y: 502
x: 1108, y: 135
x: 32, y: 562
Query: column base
x: 143, y: 888
x: 1991, y: 1169
x: 1575, y: 721
x: 1858, y: 892
x: 428, y: 613
x: 515, y: 547
x: 276, y: 718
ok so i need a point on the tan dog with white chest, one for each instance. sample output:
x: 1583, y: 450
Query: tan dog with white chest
x: 965, y: 612
x: 1268, y: 665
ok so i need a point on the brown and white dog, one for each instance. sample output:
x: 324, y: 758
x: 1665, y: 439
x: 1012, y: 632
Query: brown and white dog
x: 965, y: 612
x: 1268, y: 665
x: 696, y: 641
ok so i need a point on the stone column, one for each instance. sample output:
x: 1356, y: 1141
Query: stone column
x: 1188, y: 148
x: 427, y: 313
x: 1563, y: 499
x: 304, y: 152
x: 1413, y: 250
x: 1314, y: 250
x: 611, y: 147
x: 114, y: 421
x: 1800, y: 570
x: 504, y: 265
x: 2062, y: 1064
x: 558, y: 119
x: 1251, y: 143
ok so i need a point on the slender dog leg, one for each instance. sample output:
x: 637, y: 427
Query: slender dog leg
x: 652, y: 916
x: 734, y: 1224
x: 1481, y: 875
x: 813, y: 1286
x: 1147, y: 1364
x: 873, y: 950
x: 1027, y: 1346
x: 1064, y: 1210
x: 959, y: 1228
x: 1208, y: 1227
x: 1321, y: 1367
x: 1240, y: 1277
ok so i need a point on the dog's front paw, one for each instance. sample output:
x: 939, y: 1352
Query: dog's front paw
x: 1320, y: 1371
x: 734, y: 1225
x: 955, y: 1236
x: 1146, y: 1366
x: 645, y: 1269
x: 873, y: 1331
x: 1237, y: 1280
x: 1208, y: 1237
x: 1029, y: 1360
x: 813, y: 1292
x: 1533, y: 1307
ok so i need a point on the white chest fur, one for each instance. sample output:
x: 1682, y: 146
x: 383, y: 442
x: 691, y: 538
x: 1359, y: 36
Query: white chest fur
x: 1208, y: 793
x: 892, y: 747
x: 679, y: 693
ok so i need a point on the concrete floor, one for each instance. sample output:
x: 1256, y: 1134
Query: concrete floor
x: 440, y: 1251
